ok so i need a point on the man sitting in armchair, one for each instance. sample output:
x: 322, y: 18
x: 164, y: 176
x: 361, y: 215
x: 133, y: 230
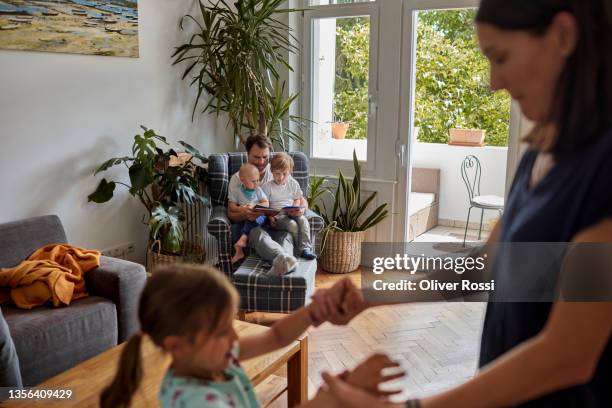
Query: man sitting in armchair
x: 283, y: 261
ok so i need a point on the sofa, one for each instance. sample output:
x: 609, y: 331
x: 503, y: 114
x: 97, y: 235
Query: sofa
x: 48, y: 339
x: 260, y: 292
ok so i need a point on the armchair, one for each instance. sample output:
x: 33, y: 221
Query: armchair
x: 49, y: 340
x: 259, y: 291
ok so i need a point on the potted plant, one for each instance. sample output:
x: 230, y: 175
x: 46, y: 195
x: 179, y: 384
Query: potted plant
x: 466, y: 137
x: 232, y: 58
x: 339, y: 127
x: 163, y: 181
x: 347, y: 222
x: 317, y: 187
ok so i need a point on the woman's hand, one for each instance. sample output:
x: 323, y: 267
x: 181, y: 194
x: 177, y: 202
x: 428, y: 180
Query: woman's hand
x: 353, y: 397
x: 369, y: 375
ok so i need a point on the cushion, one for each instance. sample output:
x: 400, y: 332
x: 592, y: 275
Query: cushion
x: 489, y: 201
x: 55, y: 339
x: 276, y: 294
x: 18, y: 239
x: 419, y: 201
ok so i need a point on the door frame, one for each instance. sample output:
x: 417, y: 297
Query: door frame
x: 407, y: 104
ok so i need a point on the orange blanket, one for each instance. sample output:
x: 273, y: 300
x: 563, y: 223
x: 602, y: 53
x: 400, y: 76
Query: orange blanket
x: 54, y: 272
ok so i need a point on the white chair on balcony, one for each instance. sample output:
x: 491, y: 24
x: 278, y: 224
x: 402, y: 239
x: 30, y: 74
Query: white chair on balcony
x: 471, y: 173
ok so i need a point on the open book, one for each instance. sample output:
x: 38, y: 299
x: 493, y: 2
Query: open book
x: 274, y: 211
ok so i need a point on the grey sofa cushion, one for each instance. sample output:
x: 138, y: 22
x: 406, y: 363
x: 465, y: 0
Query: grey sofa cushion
x: 262, y: 292
x: 19, y: 239
x: 50, y: 340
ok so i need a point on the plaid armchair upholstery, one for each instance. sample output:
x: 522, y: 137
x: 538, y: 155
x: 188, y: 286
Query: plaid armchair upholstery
x: 258, y: 291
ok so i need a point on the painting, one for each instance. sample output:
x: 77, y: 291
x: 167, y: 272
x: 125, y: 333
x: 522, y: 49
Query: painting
x: 100, y: 27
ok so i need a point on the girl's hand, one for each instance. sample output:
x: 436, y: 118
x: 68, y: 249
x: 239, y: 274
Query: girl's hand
x: 318, y: 311
x: 340, y: 303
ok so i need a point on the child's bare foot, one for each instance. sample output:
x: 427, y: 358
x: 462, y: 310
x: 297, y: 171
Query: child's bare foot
x: 239, y: 253
x: 238, y: 247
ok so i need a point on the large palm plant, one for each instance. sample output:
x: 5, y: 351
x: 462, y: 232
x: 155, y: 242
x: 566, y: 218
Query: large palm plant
x: 233, y: 59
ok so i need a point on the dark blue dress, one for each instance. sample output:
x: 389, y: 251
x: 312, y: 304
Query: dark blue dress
x: 575, y: 194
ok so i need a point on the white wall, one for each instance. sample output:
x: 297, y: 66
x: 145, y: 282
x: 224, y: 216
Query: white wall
x: 62, y: 115
x: 454, y: 201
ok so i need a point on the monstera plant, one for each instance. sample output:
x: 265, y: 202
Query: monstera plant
x: 162, y: 180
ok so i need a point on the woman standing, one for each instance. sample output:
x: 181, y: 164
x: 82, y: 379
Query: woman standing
x: 552, y: 56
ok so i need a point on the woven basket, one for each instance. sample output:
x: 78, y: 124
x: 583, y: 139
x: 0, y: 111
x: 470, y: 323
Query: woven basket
x: 342, y: 253
x: 190, y: 253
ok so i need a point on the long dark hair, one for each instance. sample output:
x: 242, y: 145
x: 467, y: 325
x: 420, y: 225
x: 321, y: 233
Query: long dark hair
x: 177, y: 300
x: 582, y: 107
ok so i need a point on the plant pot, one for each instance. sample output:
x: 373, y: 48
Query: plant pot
x: 342, y: 253
x: 466, y: 137
x: 339, y: 129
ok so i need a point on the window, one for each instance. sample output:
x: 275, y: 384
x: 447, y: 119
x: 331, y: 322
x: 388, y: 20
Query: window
x: 452, y: 80
x: 330, y: 2
x: 342, y: 107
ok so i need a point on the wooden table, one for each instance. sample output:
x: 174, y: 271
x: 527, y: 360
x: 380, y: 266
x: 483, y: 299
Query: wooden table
x: 88, y: 378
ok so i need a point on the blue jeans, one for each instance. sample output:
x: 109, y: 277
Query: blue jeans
x: 245, y: 227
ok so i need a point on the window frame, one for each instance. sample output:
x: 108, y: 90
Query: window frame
x: 370, y: 9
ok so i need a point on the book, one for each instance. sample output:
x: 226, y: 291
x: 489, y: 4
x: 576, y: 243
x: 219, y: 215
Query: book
x: 266, y: 210
x: 274, y: 211
x: 292, y: 207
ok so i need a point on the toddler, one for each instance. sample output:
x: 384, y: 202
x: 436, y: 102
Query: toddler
x: 284, y: 191
x: 248, y: 194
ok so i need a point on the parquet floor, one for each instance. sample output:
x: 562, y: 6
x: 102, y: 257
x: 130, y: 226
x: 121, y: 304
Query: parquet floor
x: 436, y: 343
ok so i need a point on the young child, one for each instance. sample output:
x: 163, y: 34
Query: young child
x: 188, y: 311
x: 283, y: 191
x: 248, y: 194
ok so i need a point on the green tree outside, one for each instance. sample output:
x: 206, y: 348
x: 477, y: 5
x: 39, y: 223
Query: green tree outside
x: 351, y: 80
x: 452, y: 79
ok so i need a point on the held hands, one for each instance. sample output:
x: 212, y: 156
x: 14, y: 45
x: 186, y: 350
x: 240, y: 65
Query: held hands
x: 369, y: 375
x: 360, y: 387
x: 338, y: 304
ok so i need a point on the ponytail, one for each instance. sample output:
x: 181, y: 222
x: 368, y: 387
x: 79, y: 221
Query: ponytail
x: 118, y: 394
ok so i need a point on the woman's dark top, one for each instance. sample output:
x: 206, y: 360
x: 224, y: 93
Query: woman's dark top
x: 575, y: 194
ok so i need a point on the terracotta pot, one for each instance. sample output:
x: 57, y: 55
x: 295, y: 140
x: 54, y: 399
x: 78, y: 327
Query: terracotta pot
x: 339, y: 130
x: 466, y: 137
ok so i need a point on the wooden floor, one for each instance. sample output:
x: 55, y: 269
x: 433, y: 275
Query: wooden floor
x: 436, y: 343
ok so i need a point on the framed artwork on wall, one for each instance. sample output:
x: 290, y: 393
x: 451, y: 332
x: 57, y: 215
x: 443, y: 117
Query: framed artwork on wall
x: 99, y: 27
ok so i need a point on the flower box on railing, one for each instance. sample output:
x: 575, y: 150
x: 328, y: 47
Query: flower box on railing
x: 466, y: 137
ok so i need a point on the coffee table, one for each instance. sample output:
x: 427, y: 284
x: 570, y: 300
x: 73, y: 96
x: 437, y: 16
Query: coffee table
x: 87, y: 379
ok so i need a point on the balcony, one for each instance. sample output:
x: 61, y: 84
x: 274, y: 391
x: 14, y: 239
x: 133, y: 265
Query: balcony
x: 453, y: 196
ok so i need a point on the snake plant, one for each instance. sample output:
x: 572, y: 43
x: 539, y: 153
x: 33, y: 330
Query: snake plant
x: 349, y: 212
